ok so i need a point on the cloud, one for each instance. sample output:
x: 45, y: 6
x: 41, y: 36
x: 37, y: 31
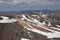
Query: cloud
x: 10, y: 5
x: 31, y: 2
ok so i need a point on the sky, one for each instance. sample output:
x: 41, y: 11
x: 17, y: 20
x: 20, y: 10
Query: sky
x: 19, y: 5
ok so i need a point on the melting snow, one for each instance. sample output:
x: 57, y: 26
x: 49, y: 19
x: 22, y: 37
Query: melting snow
x: 25, y: 39
x: 7, y: 20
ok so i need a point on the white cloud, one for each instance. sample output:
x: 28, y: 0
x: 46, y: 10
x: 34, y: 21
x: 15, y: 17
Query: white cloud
x: 31, y: 2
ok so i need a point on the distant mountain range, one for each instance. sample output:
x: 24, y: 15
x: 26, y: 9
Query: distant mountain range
x: 29, y: 11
